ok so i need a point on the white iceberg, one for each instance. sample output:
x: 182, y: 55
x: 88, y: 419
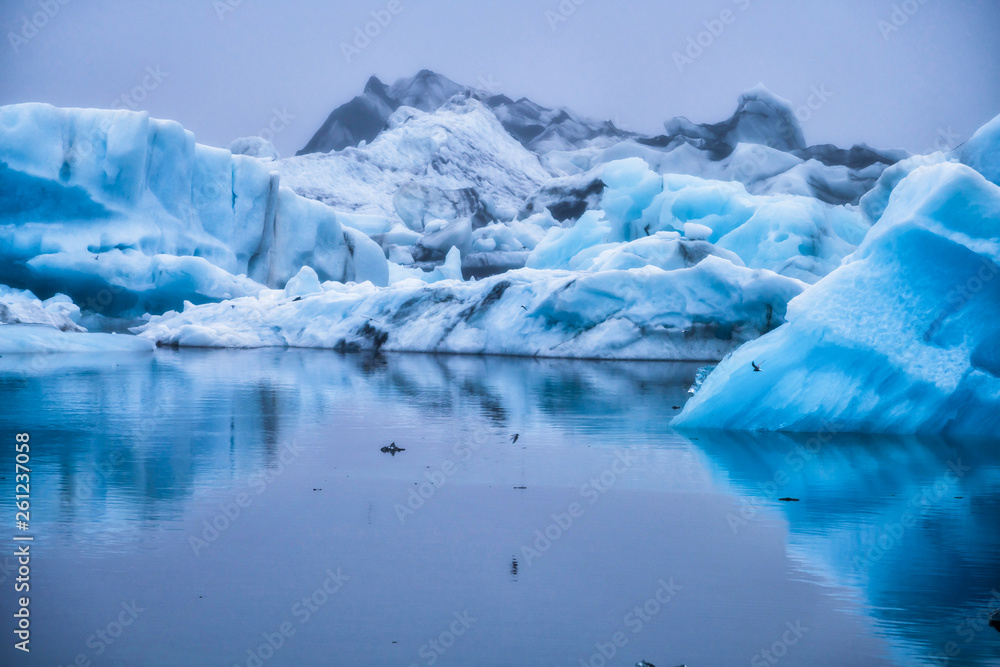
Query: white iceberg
x: 459, y: 146
x: 699, y: 312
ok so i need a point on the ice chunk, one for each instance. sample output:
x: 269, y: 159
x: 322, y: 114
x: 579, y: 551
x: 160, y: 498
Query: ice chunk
x: 562, y: 246
x: 664, y: 250
x: 696, y: 232
x: 442, y: 235
x: 365, y: 261
x: 35, y: 339
x: 459, y: 147
x: 257, y: 147
x: 418, y: 204
x: 306, y: 281
x: 795, y: 236
x: 23, y: 307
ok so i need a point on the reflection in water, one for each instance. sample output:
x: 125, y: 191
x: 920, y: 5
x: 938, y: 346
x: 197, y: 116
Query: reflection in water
x: 893, y: 551
x: 912, y: 525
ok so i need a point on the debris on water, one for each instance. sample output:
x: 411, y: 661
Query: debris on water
x: 392, y: 449
x: 995, y: 620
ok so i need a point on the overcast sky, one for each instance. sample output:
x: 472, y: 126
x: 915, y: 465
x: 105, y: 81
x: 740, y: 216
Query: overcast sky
x: 892, y: 73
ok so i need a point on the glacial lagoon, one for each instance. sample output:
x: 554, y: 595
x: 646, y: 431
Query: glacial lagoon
x: 235, y: 508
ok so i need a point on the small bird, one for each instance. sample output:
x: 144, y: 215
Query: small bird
x: 677, y: 407
x: 995, y: 620
x: 756, y: 368
x: 789, y: 500
x: 392, y: 449
x: 514, y: 438
x: 524, y: 307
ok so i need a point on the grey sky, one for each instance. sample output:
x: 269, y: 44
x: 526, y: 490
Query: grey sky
x: 934, y: 79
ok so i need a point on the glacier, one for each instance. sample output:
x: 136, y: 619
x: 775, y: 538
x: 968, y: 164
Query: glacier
x: 901, y: 338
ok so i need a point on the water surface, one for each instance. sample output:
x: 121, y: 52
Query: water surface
x: 234, y: 508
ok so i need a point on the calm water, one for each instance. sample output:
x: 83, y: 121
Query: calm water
x: 234, y: 508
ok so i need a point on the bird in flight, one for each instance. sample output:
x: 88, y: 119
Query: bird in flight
x: 756, y: 368
x: 514, y: 438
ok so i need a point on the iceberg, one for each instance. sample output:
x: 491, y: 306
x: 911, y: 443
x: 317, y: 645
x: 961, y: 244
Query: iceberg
x: 23, y: 307
x: 796, y: 236
x: 459, y: 146
x: 761, y: 146
x: 257, y: 147
x: 37, y: 339
x: 701, y: 311
x: 901, y: 338
x: 979, y: 152
x: 127, y: 215
x: 29, y: 325
x: 427, y: 149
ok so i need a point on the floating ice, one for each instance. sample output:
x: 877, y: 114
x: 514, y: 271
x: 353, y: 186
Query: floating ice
x: 127, y: 214
x: 699, y: 312
x: 28, y: 325
x: 902, y: 338
x: 795, y: 236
